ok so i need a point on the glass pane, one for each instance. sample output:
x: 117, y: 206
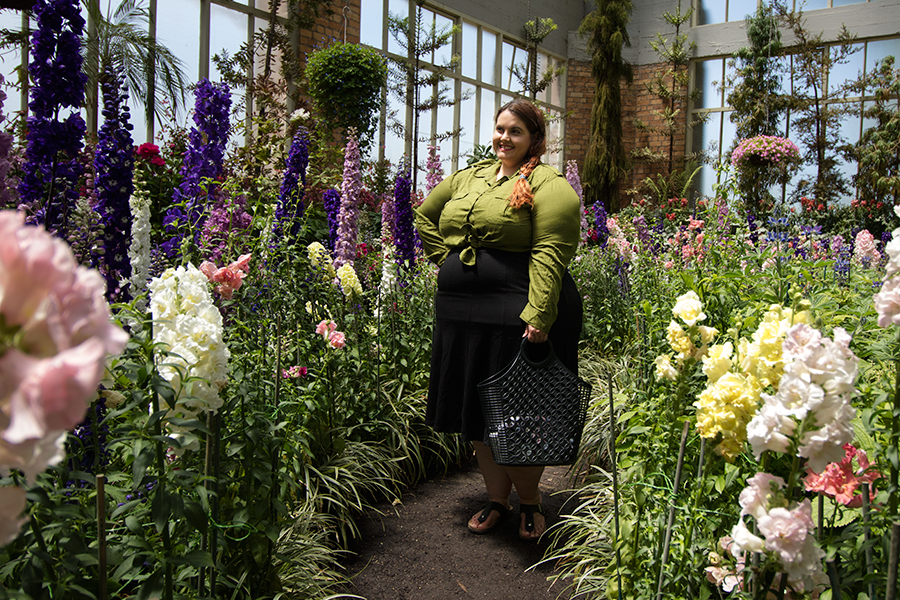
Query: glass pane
x: 372, y: 23
x: 849, y: 128
x: 842, y: 73
x: 707, y: 77
x: 444, y: 55
x: 469, y: 47
x: 876, y: 51
x: 227, y: 31
x: 711, y: 11
x: 555, y: 87
x: 543, y: 63
x: 394, y: 146
x: 468, y: 135
x: 809, y: 5
x: 398, y: 9
x: 728, y: 135
x: 868, y: 122
x: 488, y: 108
x: 10, y: 59
x: 178, y: 28
x: 704, y: 136
x: 846, y: 2
x: 738, y: 10
x: 554, y: 128
x: 488, y: 57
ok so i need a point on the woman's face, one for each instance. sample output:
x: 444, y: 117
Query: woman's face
x: 511, y: 140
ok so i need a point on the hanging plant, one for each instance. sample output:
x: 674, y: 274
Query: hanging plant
x: 345, y: 81
x: 779, y: 157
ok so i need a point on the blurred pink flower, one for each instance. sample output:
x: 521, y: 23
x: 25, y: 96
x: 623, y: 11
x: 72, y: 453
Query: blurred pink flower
x: 324, y: 328
x: 12, y: 505
x: 336, y: 340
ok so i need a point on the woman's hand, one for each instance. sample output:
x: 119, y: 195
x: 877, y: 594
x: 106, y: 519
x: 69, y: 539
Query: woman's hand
x: 535, y: 336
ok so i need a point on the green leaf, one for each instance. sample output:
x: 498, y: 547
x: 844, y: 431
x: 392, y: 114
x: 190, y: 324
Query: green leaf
x: 161, y: 509
x: 195, y: 558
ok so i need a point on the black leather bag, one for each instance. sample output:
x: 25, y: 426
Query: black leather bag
x: 534, y: 411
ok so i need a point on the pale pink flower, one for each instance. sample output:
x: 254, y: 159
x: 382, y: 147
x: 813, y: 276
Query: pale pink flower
x: 227, y: 280
x: 785, y: 530
x: 864, y: 250
x: 695, y: 224
x: 754, y: 498
x: 336, y: 340
x: 745, y: 541
x: 34, y: 455
x: 324, y: 328
x: 12, y: 505
x: 49, y: 394
x: 887, y: 303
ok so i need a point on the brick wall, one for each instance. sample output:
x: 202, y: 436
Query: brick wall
x: 636, y: 101
x: 332, y: 26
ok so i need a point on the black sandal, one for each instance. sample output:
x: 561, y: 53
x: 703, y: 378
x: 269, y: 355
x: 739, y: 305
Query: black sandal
x: 486, y: 512
x: 529, y: 510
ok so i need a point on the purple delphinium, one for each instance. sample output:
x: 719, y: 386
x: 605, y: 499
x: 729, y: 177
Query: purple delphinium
x: 228, y: 218
x: 49, y: 186
x: 575, y: 181
x: 435, y: 169
x: 331, y: 200
x: 203, y: 159
x: 600, y: 222
x: 6, y: 140
x: 345, y: 246
x: 752, y: 227
x: 92, y: 434
x: 290, y: 202
x: 114, y: 166
x: 404, y: 231
x: 643, y: 233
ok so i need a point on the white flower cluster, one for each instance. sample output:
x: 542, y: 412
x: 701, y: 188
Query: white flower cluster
x: 887, y: 300
x: 139, y: 250
x: 813, y: 399
x: 188, y: 325
x: 787, y: 530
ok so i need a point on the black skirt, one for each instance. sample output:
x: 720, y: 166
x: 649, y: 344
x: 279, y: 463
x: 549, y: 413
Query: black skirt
x: 478, y: 332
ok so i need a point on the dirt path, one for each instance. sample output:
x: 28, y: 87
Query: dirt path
x: 422, y: 550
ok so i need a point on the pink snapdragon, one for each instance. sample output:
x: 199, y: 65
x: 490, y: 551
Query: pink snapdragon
x: 295, y: 372
x: 227, y: 280
x: 864, y: 250
x: 840, y: 480
x: 328, y: 330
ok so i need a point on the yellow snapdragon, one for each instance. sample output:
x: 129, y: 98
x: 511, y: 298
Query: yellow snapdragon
x: 724, y: 408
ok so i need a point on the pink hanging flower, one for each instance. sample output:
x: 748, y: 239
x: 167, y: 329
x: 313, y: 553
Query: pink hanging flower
x: 228, y: 279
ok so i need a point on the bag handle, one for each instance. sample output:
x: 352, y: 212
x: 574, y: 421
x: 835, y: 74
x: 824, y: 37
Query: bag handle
x: 546, y: 362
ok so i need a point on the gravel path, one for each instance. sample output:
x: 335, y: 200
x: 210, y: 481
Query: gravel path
x: 421, y: 549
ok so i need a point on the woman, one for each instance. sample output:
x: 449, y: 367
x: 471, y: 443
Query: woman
x: 503, y: 232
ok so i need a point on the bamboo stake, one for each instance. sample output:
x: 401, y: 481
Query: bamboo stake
x: 101, y: 535
x: 615, y: 476
x: 892, y: 563
x: 671, y: 523
x: 868, y: 555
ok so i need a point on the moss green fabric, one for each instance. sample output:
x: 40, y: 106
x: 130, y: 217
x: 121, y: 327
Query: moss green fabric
x: 470, y: 210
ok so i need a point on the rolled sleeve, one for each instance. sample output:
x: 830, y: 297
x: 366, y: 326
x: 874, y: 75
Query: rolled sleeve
x: 556, y: 231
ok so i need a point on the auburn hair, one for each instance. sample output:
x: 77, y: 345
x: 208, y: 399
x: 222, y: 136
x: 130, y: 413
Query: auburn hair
x: 533, y: 119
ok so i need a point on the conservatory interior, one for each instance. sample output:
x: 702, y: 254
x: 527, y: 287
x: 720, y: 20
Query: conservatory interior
x: 216, y: 311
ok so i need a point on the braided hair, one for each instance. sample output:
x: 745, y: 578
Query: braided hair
x: 533, y: 119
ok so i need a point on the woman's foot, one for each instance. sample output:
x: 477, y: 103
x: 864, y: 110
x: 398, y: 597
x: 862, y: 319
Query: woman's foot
x: 533, y: 524
x: 488, y: 518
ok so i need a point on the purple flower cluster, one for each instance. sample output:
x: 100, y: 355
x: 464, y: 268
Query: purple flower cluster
x: 404, y: 231
x: 600, y: 222
x: 290, y: 202
x: 6, y: 140
x: 51, y: 171
x: 114, y: 167
x: 435, y: 169
x: 575, y: 181
x: 345, y: 246
x: 331, y: 199
x: 202, y: 160
x: 227, y: 219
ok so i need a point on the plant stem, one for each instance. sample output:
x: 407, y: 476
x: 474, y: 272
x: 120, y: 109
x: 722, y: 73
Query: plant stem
x: 612, y: 458
x: 101, y: 535
x: 161, y: 490
x: 892, y: 563
x: 864, y: 486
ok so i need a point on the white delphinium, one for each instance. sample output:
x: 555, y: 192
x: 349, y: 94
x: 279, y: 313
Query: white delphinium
x: 139, y: 250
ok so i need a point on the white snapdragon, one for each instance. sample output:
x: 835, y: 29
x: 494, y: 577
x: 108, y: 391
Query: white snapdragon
x: 188, y: 325
x: 139, y: 250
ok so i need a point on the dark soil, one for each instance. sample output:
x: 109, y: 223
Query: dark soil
x: 421, y: 549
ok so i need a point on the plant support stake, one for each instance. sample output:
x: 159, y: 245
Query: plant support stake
x: 101, y: 535
x: 671, y: 523
x: 615, y: 478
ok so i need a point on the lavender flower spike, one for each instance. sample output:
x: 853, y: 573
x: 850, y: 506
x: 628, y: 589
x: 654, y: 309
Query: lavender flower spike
x: 345, y: 247
x: 575, y: 181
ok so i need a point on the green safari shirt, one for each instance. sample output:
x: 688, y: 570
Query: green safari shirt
x: 470, y: 209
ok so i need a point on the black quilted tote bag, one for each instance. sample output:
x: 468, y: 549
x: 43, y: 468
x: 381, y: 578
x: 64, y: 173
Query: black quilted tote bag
x: 534, y: 411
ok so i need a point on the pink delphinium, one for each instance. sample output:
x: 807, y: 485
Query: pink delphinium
x: 840, y: 481
x: 348, y: 213
x: 227, y: 280
x: 435, y: 172
x: 864, y: 250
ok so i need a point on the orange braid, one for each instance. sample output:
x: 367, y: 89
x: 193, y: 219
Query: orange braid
x: 522, y: 194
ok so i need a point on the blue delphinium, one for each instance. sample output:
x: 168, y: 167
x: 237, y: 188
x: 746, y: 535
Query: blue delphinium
x: 114, y: 164
x: 51, y: 171
x: 331, y: 199
x: 202, y: 160
x: 290, y: 202
x: 600, y: 222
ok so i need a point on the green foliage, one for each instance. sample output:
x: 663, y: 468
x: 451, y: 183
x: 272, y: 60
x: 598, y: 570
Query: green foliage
x: 345, y: 81
x: 526, y: 73
x: 606, y: 161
